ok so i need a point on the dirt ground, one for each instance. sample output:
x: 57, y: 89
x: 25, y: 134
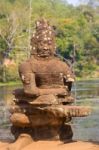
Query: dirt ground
x: 55, y: 145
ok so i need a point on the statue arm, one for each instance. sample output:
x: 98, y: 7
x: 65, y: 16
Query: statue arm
x: 54, y: 91
x: 29, y: 83
x: 28, y: 79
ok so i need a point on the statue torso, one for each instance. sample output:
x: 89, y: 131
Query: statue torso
x: 49, y: 72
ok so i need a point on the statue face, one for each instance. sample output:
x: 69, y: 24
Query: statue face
x: 43, y: 41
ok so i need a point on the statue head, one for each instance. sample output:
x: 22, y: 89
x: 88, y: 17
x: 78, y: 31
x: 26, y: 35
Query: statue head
x: 43, y: 40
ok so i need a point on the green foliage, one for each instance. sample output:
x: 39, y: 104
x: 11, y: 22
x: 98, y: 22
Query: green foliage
x: 77, y: 31
x: 11, y: 73
x: 3, y: 45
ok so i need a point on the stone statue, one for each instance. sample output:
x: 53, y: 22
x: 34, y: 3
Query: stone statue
x: 43, y: 107
x: 43, y: 73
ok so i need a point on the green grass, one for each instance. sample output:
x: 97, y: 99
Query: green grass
x: 87, y: 79
x: 11, y: 83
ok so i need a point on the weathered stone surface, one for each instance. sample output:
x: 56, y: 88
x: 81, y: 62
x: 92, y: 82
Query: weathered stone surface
x: 63, y: 132
x: 3, y: 145
x: 19, y: 119
x: 22, y: 141
x: 49, y: 99
x: 43, y: 40
x: 42, y: 108
x: 54, y: 115
x: 38, y: 119
x: 48, y: 79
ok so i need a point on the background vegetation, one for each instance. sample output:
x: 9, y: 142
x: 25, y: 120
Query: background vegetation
x: 76, y: 27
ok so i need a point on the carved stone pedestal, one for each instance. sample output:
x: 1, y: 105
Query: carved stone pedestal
x: 63, y: 133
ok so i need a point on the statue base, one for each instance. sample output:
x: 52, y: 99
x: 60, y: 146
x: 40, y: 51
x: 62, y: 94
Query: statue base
x: 63, y: 133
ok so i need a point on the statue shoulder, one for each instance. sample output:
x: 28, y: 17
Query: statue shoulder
x: 24, y: 66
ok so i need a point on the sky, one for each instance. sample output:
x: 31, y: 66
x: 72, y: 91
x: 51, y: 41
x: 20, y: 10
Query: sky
x: 74, y: 2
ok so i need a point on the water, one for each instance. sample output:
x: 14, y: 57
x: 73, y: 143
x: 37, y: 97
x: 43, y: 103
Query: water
x: 87, y: 94
x: 6, y: 98
x: 86, y: 129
